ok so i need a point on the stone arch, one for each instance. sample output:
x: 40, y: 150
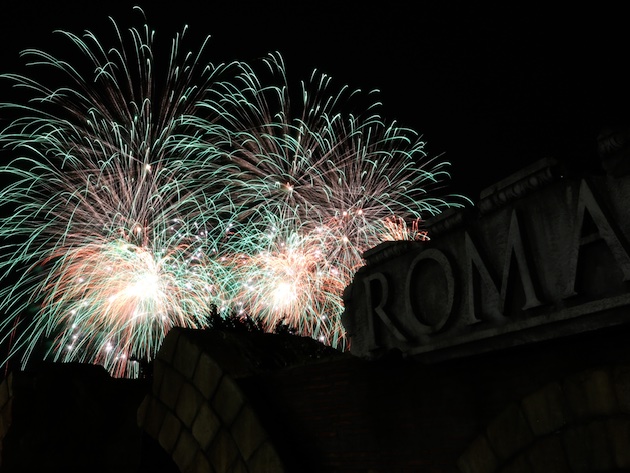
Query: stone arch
x: 578, y: 424
x: 198, y: 413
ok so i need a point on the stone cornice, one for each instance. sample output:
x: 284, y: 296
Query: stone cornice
x: 387, y: 250
x: 518, y: 185
x: 445, y: 222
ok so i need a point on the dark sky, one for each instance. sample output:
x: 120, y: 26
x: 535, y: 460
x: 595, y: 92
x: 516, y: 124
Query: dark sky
x: 489, y: 89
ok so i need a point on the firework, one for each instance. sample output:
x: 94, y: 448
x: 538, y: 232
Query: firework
x: 137, y: 203
x: 335, y: 183
x: 105, y: 220
x: 282, y: 278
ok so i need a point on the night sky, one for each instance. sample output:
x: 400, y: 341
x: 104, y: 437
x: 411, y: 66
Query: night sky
x: 489, y: 90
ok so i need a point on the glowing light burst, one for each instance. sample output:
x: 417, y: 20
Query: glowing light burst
x: 116, y: 300
x: 138, y: 202
x: 346, y: 182
x: 102, y: 203
x: 284, y: 278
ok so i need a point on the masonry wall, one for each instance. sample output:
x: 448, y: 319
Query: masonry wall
x: 557, y: 406
x: 70, y: 418
x: 241, y: 403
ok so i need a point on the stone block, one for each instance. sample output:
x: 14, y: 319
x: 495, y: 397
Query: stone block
x: 169, y: 432
x: 223, y: 452
x: 205, y: 426
x: 548, y: 455
x: 188, y: 403
x: 587, y: 448
x: 509, y: 432
x: 185, y: 357
x: 158, y: 373
x: 207, y: 375
x: 621, y: 380
x: 6, y: 415
x: 155, y: 413
x: 4, y: 393
x: 518, y: 465
x: 265, y: 459
x: 228, y: 400
x: 478, y: 457
x: 4, y: 428
x: 143, y: 408
x: 248, y: 432
x: 575, y: 441
x: 185, y: 451
x: 240, y: 466
x: 169, y: 388
x: 590, y: 394
x: 9, y: 381
x: 545, y: 409
x: 602, y: 457
x: 200, y: 464
x: 619, y: 437
x: 169, y: 346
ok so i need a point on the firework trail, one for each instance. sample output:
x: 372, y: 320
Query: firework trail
x: 106, y: 226
x: 335, y: 183
x: 137, y: 203
x: 282, y: 278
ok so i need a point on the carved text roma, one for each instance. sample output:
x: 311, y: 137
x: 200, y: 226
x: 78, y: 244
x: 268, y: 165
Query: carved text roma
x: 551, y: 260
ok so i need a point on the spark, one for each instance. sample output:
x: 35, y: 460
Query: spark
x: 100, y: 203
x: 140, y: 201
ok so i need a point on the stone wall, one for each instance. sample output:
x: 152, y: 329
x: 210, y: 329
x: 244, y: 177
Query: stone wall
x: 70, y: 417
x: 529, y: 407
x: 239, y: 402
x: 199, y: 414
x: 579, y: 423
x: 544, y: 254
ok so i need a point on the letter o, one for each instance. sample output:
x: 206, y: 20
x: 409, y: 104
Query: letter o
x: 430, y: 290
